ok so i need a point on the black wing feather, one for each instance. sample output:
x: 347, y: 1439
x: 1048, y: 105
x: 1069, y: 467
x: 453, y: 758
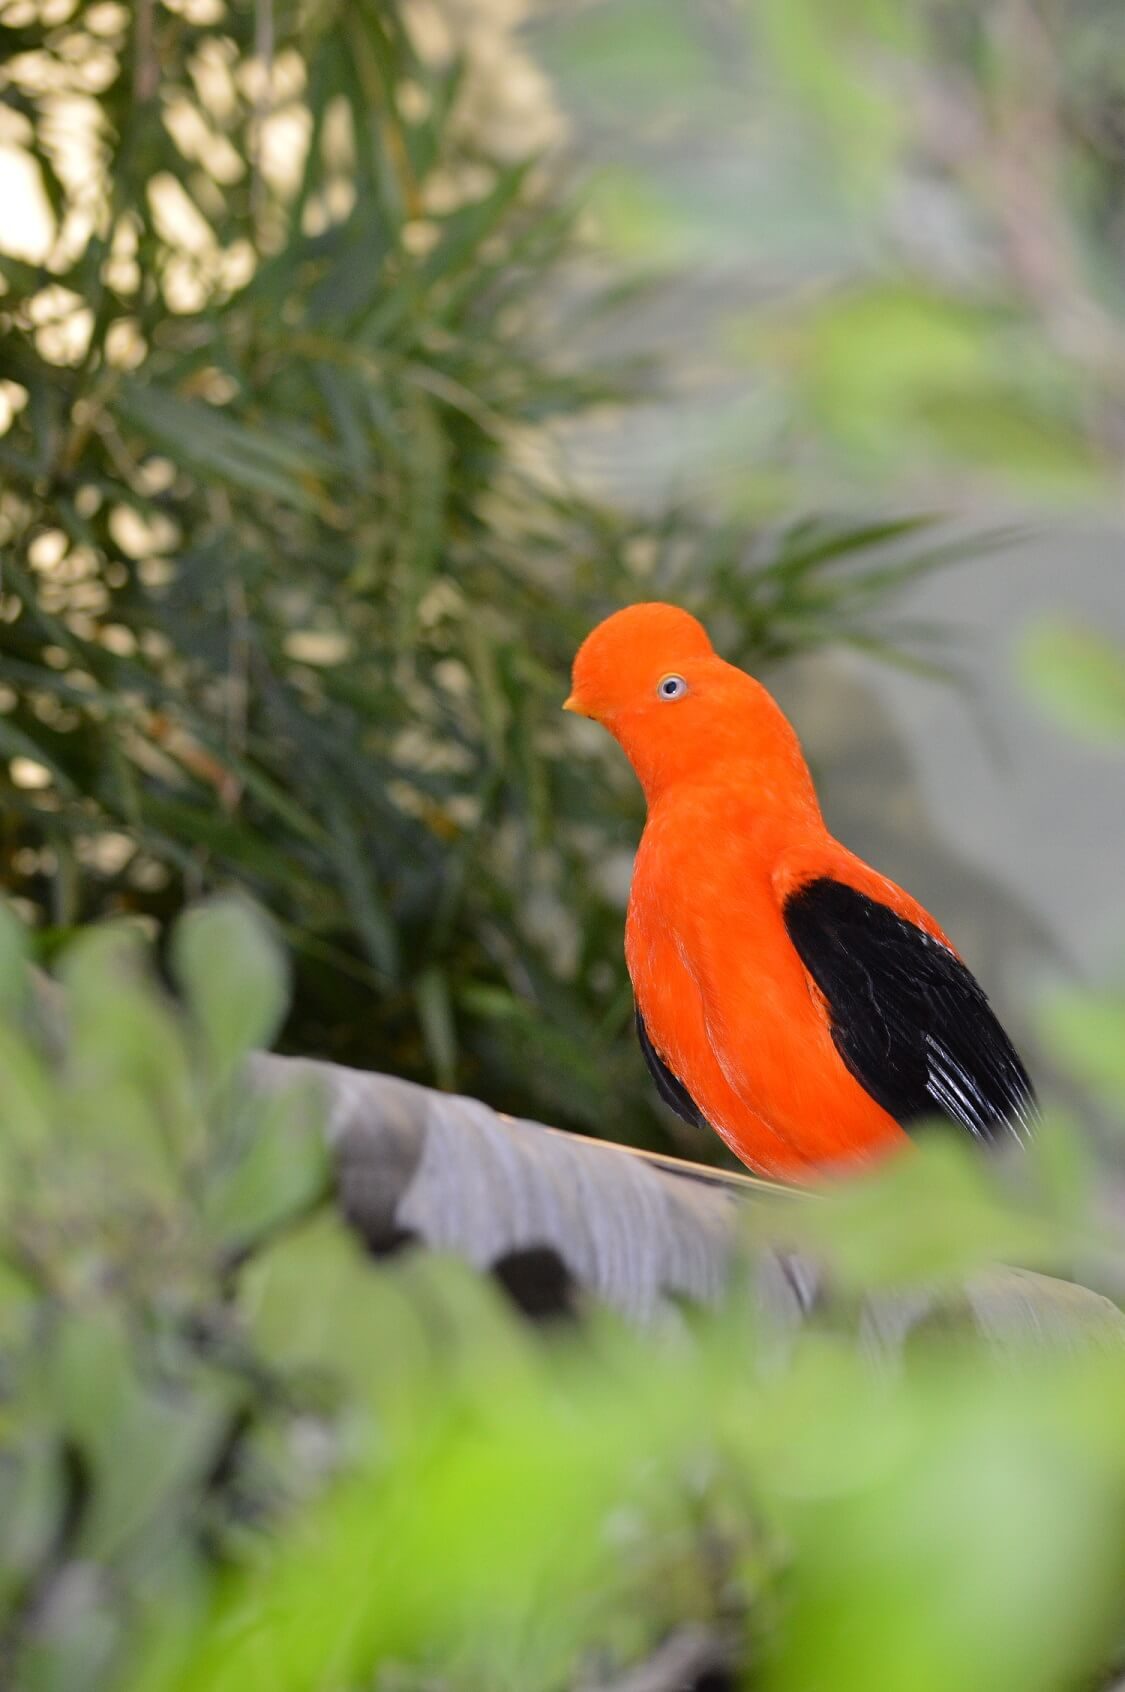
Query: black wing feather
x: 670, y: 1088
x: 909, y: 1020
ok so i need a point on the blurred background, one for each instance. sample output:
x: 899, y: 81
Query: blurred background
x: 356, y: 358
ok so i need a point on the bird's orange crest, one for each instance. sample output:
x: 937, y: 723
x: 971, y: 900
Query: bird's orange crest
x: 624, y: 659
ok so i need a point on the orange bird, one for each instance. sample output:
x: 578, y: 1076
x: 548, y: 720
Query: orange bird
x: 787, y: 994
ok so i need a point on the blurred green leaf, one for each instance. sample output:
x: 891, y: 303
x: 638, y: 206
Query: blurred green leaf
x: 1079, y: 677
x: 929, y: 1217
x: 125, y: 1060
x: 26, y: 1105
x: 967, y: 1490
x: 110, y: 1411
x: 1086, y: 1030
x: 31, y: 1505
x: 318, y: 1267
x: 814, y: 45
x: 276, y: 1165
x: 234, y: 977
x: 435, y: 1011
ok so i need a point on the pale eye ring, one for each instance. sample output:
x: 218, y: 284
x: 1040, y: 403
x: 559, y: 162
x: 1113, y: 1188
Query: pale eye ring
x: 671, y: 687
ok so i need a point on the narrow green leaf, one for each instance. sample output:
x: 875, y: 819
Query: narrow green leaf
x: 435, y: 1013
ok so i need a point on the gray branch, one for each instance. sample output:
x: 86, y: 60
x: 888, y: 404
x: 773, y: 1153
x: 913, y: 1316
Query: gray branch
x: 555, y: 1214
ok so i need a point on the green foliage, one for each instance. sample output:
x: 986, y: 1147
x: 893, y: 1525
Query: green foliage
x: 899, y: 226
x: 938, y: 1532
x: 292, y: 576
x: 234, y: 1453
x: 139, y: 1429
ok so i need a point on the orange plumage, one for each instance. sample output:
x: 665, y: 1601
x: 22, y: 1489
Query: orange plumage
x: 787, y: 994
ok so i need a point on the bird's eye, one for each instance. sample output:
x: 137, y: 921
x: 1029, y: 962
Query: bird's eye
x: 671, y: 687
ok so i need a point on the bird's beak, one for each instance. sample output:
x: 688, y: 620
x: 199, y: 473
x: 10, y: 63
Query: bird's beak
x: 578, y: 707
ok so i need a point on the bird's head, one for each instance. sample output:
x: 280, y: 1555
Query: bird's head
x: 650, y: 675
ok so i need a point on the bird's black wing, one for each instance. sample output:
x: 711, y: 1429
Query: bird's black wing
x: 908, y: 1019
x: 670, y: 1088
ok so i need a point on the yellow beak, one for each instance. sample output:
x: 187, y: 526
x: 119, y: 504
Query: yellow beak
x: 571, y: 704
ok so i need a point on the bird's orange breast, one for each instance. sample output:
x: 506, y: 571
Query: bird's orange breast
x: 725, y: 998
